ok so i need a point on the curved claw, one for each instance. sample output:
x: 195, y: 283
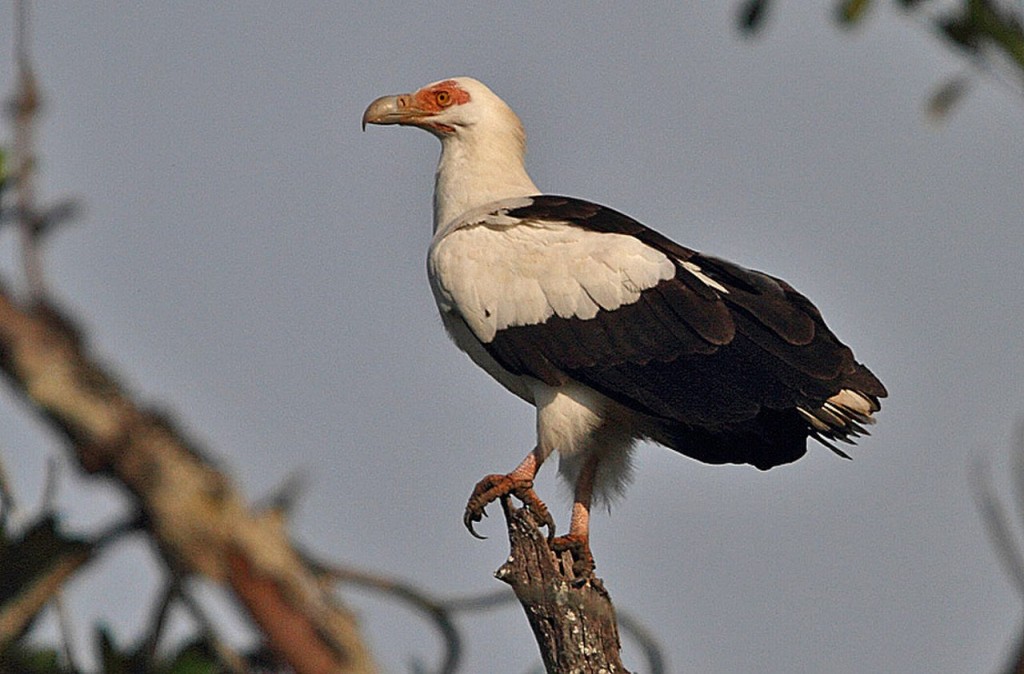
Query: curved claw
x: 494, y: 487
x: 470, y: 518
x: 539, y: 510
x: 579, y: 547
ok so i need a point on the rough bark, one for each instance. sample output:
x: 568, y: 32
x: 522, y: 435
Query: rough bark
x: 193, y: 513
x: 572, y: 618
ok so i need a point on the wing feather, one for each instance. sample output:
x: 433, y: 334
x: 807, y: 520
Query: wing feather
x: 716, y: 344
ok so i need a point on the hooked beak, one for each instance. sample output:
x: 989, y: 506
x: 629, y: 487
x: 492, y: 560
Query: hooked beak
x: 397, y: 109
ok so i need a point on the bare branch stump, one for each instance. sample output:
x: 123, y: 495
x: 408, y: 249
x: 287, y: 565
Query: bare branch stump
x: 572, y: 617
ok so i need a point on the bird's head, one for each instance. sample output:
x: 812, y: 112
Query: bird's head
x: 483, y: 145
x: 453, y: 107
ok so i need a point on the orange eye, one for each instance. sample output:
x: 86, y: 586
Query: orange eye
x: 443, y: 98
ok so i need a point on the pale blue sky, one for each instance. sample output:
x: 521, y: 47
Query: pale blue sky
x: 250, y: 260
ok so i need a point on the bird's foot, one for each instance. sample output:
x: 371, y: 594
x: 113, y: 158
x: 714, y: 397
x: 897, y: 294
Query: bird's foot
x: 494, y: 487
x: 579, y: 547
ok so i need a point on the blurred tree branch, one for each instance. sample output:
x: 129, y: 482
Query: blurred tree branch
x: 196, y: 517
x: 35, y: 565
x: 24, y: 109
x: 999, y: 520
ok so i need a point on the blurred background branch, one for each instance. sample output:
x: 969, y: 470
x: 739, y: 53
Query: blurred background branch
x: 188, y: 507
x: 1005, y: 525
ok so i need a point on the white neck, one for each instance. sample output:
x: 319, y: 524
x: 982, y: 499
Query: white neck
x: 478, y: 167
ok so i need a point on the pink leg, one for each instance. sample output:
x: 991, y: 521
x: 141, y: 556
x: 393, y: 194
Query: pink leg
x: 578, y: 539
x: 518, y: 483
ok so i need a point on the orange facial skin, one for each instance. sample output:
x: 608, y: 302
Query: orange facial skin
x: 436, y: 98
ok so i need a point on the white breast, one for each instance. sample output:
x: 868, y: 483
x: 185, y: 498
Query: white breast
x: 502, y: 272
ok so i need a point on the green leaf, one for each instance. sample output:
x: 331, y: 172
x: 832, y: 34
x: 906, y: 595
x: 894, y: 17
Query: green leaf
x: 960, y: 30
x: 849, y: 12
x: 750, y: 15
x: 30, y: 660
x: 113, y: 661
x: 194, y: 658
x: 945, y: 98
x: 193, y: 663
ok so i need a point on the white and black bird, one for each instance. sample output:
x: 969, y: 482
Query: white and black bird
x: 614, y: 332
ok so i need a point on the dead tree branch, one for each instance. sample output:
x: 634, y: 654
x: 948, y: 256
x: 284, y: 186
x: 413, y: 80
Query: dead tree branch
x: 197, y: 518
x: 572, y: 618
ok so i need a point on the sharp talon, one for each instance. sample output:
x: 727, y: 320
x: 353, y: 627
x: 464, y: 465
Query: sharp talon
x: 471, y: 517
x: 579, y: 549
x: 469, y: 522
x: 549, y: 523
x: 495, y: 487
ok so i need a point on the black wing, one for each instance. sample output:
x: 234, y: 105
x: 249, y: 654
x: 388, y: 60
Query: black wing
x: 734, y: 353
